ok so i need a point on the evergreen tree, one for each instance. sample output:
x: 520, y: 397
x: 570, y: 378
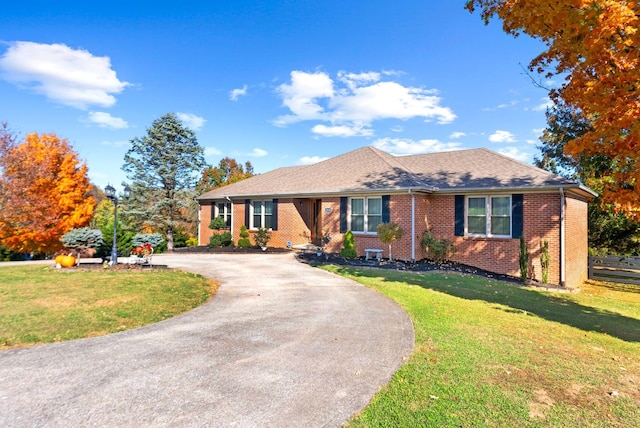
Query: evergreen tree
x: 163, y: 167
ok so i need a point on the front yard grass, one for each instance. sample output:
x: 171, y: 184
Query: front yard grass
x: 42, y: 305
x: 490, y: 354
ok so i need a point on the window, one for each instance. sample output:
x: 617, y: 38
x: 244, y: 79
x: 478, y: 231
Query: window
x: 489, y: 216
x: 223, y: 209
x: 262, y: 214
x: 366, y: 214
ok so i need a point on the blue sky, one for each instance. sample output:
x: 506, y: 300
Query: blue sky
x: 276, y: 83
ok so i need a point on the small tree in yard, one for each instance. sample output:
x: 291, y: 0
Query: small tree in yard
x: 389, y: 232
x: 349, y: 246
x: 524, y: 259
x: 545, y: 260
x: 82, y: 239
x: 262, y: 238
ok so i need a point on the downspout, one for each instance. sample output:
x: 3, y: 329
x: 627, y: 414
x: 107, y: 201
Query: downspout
x: 199, y: 212
x: 562, y: 239
x: 413, y: 227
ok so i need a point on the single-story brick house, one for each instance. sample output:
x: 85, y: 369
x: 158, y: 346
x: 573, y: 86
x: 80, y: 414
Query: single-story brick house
x: 480, y: 200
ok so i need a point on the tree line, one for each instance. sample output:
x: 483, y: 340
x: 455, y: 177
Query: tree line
x: 45, y: 190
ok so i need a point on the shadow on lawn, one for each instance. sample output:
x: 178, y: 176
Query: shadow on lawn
x: 550, y: 307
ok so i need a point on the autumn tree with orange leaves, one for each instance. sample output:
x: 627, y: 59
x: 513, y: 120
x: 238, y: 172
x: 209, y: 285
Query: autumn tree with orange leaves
x: 44, y: 192
x: 595, y: 46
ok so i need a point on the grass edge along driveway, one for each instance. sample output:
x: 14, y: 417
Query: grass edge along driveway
x: 43, y: 305
x: 493, y: 354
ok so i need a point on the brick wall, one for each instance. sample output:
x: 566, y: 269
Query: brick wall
x: 541, y: 217
x: 576, y: 241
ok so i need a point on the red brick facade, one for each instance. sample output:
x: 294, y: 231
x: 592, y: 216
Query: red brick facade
x: 541, y: 221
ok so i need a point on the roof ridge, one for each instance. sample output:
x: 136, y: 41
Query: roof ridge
x: 398, y: 163
x: 529, y: 166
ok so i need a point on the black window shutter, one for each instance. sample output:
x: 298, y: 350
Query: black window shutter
x: 274, y: 215
x: 386, y: 208
x: 213, y: 210
x: 343, y: 214
x: 459, y: 215
x: 247, y: 207
x: 516, y: 215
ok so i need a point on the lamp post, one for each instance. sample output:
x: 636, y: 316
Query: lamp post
x: 111, y: 194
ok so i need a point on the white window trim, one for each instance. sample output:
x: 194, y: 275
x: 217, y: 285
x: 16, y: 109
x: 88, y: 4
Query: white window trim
x: 488, y: 216
x: 366, y: 214
x: 227, y: 205
x: 262, y: 214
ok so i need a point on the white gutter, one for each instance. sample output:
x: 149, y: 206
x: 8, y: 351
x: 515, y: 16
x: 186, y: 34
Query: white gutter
x: 413, y: 226
x: 562, y: 239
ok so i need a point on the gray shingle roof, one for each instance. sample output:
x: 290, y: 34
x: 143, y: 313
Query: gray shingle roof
x: 368, y: 169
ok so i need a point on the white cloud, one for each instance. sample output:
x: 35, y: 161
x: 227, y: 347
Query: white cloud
x: 354, y: 101
x: 511, y: 103
x: 544, y: 105
x: 191, y: 120
x: 211, y: 151
x: 237, y: 93
x: 342, y: 131
x: 301, y: 95
x: 400, y: 146
x: 502, y: 137
x: 456, y: 135
x: 309, y: 160
x: 105, y: 120
x: 257, y: 153
x: 515, y: 153
x: 72, y: 77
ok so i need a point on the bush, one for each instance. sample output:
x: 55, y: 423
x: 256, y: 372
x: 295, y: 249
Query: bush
x: 192, y: 242
x: 244, y: 241
x: 349, y: 246
x: 436, y: 249
x: 262, y: 237
x: 217, y: 223
x: 545, y: 260
x: 524, y: 259
x: 154, y: 239
x: 82, y: 239
x: 224, y: 239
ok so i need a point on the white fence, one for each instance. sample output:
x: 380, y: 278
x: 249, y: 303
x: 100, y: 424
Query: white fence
x: 624, y: 269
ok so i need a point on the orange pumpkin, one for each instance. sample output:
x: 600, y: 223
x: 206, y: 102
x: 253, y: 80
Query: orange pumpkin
x: 65, y: 261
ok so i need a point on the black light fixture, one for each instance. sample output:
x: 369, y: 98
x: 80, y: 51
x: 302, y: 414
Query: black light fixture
x: 111, y: 194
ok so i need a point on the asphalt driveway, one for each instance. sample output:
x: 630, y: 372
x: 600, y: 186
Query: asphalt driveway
x: 281, y: 345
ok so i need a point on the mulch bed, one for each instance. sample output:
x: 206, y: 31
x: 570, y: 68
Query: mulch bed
x: 401, y: 265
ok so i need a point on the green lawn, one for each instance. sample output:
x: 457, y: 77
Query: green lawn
x: 43, y: 305
x: 489, y: 354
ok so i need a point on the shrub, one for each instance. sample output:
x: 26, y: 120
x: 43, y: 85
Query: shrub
x: 545, y: 260
x: 349, y: 246
x: 224, y: 239
x: 244, y: 241
x: 262, y: 237
x: 217, y: 223
x: 82, y: 238
x: 523, y: 259
x: 436, y: 249
x: 389, y: 232
x: 154, y: 239
x: 192, y: 242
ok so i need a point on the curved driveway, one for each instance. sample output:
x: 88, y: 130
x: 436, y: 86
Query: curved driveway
x: 281, y: 344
